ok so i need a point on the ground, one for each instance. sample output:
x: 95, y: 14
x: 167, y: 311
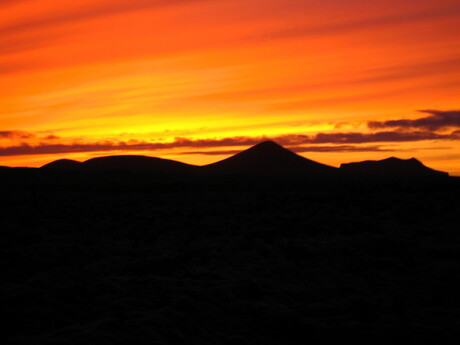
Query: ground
x: 92, y: 259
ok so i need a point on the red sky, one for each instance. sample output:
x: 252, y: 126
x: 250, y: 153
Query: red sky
x: 195, y: 80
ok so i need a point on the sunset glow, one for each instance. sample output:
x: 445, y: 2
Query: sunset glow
x: 197, y: 80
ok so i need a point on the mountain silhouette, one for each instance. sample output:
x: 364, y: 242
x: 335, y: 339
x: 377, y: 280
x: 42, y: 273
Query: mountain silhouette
x: 264, y: 159
x: 268, y: 158
x: 62, y: 164
x: 390, y: 167
x: 134, y: 163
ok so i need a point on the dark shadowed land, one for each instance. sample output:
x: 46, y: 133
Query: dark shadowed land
x: 262, y: 160
x: 115, y: 254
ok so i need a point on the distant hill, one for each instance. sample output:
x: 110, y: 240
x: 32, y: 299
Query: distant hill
x: 133, y: 163
x: 62, y: 164
x: 390, y: 167
x: 264, y: 159
x: 268, y: 158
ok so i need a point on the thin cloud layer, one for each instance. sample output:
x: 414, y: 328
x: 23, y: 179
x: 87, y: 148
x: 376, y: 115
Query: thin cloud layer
x: 437, y: 120
x: 9, y: 2
x: 387, y: 136
x: 47, y: 148
x: 92, y: 11
x: 300, y: 149
x: 340, y: 148
x: 16, y: 135
x: 367, y: 24
x: 293, y: 141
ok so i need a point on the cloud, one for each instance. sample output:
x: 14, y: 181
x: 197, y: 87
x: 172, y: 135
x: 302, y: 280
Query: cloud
x: 387, y: 136
x: 358, y: 25
x: 10, y: 67
x: 339, y: 148
x: 45, y: 148
x: 51, y: 137
x: 16, y: 135
x: 355, y: 98
x: 300, y: 149
x: 211, y: 153
x: 95, y: 10
x: 436, y: 120
x: 42, y: 148
x: 375, y: 75
x: 296, y: 142
x: 8, y: 2
x: 12, y: 45
x: 408, y: 71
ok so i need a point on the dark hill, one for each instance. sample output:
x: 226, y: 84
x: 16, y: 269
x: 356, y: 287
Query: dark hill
x: 264, y: 159
x: 390, y: 167
x: 268, y: 158
x: 133, y: 163
x: 62, y: 164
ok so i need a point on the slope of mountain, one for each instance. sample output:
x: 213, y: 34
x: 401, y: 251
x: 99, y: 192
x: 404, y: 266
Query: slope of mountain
x: 133, y: 163
x: 268, y: 158
x: 62, y: 164
x: 264, y: 159
x: 390, y: 167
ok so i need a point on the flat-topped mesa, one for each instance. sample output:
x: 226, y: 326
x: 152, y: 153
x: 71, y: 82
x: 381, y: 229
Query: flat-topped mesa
x: 268, y: 158
x: 390, y: 167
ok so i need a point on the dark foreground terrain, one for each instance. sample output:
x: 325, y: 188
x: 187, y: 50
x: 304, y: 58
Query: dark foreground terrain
x: 91, y: 258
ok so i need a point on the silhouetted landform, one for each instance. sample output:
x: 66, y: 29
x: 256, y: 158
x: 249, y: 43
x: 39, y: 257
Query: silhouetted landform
x: 63, y: 164
x: 123, y: 163
x: 268, y: 158
x: 122, y: 258
x: 264, y: 159
x: 132, y: 163
x: 390, y: 167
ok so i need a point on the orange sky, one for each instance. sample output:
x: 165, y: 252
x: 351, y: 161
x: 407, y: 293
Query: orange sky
x: 195, y: 80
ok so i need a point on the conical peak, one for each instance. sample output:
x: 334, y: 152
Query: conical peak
x: 268, y: 146
x: 267, y: 143
x: 269, y: 158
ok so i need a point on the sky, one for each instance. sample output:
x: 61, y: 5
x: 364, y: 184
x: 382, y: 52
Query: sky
x: 198, y: 80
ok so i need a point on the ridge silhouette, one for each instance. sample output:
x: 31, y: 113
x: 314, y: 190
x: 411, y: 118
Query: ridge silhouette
x: 264, y: 159
x: 390, y: 167
x: 91, y: 255
x: 136, y: 163
x: 269, y: 158
x: 63, y: 164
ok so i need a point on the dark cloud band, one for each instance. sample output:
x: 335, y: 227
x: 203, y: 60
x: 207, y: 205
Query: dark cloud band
x: 437, y: 120
x: 16, y: 135
x: 337, y: 142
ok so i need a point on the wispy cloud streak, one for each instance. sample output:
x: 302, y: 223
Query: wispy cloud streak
x: 366, y: 24
x: 437, y: 120
x: 341, y: 141
x: 97, y: 9
x: 16, y: 135
x: 300, y: 149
